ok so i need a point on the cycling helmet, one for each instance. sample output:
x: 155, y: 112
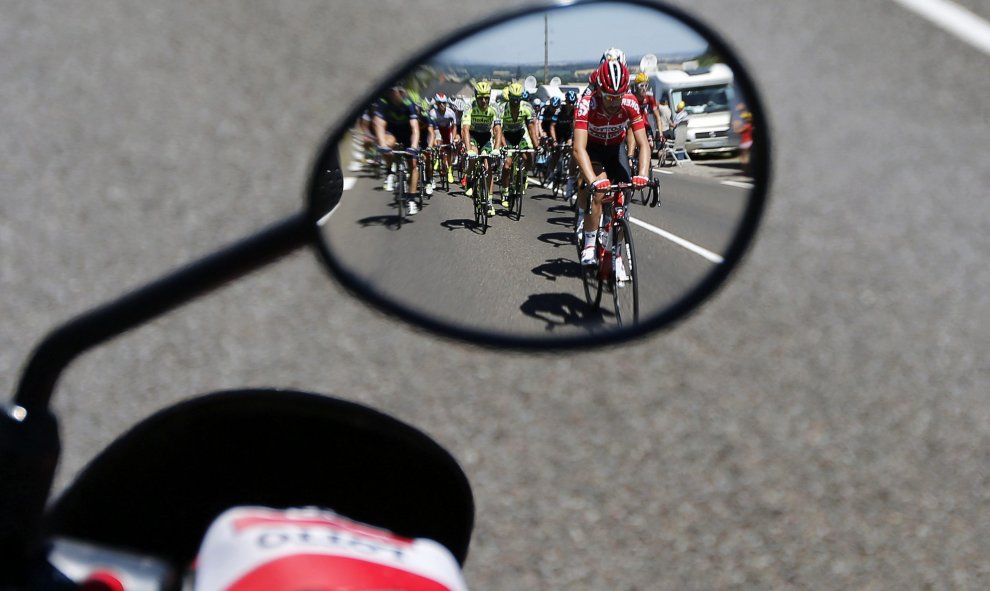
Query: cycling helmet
x: 525, y: 95
x: 571, y: 96
x: 440, y: 98
x: 537, y: 102
x: 555, y: 101
x: 482, y: 87
x: 612, y: 77
x: 614, y: 54
x: 641, y: 78
x: 515, y: 91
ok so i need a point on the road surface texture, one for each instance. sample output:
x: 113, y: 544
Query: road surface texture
x: 822, y: 423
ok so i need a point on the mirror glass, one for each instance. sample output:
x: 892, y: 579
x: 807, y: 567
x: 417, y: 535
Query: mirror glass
x: 491, y: 245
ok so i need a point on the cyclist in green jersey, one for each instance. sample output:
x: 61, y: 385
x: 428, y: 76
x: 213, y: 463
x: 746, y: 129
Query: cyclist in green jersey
x: 479, y: 125
x: 517, y: 124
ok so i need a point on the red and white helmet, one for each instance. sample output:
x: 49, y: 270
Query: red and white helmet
x: 440, y: 98
x: 612, y: 77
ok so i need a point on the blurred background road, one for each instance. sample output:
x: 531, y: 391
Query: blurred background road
x: 822, y: 423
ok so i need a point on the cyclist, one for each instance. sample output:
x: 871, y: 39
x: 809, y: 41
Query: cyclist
x: 444, y: 122
x: 479, y: 127
x: 427, y: 133
x: 600, y: 125
x: 396, y: 122
x: 647, y: 107
x: 546, y: 115
x: 518, y: 127
x: 561, y: 130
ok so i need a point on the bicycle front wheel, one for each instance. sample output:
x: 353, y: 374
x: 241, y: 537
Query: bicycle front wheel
x: 624, y: 280
x: 515, y: 206
x: 481, y: 203
x: 593, y: 276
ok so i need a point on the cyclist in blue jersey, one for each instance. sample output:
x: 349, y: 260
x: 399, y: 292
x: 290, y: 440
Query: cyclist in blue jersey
x: 396, y: 122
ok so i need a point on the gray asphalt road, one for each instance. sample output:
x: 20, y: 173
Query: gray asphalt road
x: 822, y: 423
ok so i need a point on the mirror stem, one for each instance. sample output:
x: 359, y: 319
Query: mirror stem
x: 91, y: 328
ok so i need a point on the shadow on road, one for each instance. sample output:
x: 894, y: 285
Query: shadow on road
x: 559, y: 310
x: 554, y: 268
x: 387, y: 221
x: 461, y: 225
x: 565, y: 222
x: 557, y: 239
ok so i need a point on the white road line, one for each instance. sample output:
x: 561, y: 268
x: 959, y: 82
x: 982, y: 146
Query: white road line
x: 738, y: 184
x: 661, y: 171
x: 711, y: 256
x: 349, y: 182
x: 955, y: 19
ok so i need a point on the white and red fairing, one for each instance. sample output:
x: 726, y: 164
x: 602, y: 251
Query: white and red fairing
x: 261, y: 549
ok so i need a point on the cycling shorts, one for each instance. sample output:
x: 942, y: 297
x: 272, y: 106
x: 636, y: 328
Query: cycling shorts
x: 614, y: 159
x: 518, y: 139
x: 564, y: 132
x: 445, y: 134
x: 402, y: 136
x: 484, y: 140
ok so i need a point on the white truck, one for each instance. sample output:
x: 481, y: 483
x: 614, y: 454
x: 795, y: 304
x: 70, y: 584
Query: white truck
x: 708, y: 95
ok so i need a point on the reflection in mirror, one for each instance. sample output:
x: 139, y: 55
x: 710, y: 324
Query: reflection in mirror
x: 465, y: 194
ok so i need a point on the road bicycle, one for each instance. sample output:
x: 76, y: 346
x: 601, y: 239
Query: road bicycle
x: 439, y: 156
x: 478, y: 182
x: 615, y: 266
x: 401, y: 176
x: 516, y: 189
x: 562, y: 170
x: 544, y: 156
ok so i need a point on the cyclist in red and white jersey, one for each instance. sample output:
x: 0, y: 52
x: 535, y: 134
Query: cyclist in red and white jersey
x: 600, y: 124
x: 444, y: 121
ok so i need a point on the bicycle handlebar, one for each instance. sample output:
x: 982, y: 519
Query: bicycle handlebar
x: 623, y: 186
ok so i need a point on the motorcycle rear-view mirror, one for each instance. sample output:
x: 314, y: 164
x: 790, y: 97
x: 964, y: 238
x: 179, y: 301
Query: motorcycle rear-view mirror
x: 510, y: 279
x: 488, y: 249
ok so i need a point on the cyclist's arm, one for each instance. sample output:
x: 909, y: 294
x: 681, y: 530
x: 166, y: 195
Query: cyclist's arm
x: 553, y: 131
x: 580, y: 151
x: 379, y: 125
x: 414, y: 137
x: 643, y: 143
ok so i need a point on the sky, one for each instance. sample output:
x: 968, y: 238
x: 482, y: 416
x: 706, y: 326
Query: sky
x: 579, y: 33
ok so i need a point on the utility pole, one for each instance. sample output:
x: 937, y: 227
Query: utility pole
x: 546, y: 49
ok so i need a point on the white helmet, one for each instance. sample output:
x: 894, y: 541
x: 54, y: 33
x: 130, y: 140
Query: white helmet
x: 612, y: 54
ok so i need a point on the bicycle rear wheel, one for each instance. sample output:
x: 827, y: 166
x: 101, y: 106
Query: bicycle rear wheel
x: 625, y: 294
x: 400, y: 196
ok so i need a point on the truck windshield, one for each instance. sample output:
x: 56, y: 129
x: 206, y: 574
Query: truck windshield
x: 704, y: 99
